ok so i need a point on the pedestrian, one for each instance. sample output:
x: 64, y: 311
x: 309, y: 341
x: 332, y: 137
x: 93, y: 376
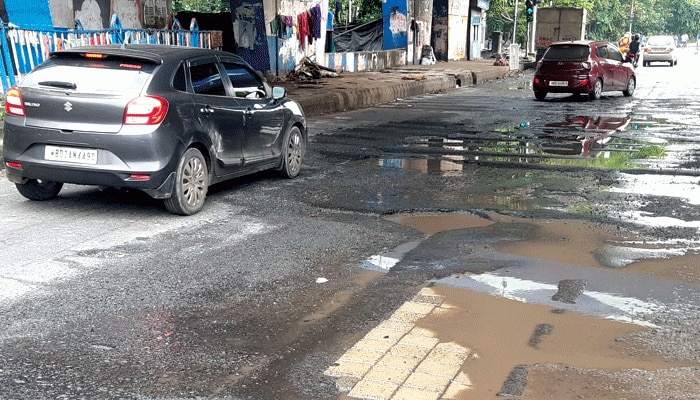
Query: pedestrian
x: 624, y: 42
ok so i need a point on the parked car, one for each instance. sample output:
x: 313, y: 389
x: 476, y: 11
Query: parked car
x: 583, y: 68
x: 660, y: 48
x: 169, y: 121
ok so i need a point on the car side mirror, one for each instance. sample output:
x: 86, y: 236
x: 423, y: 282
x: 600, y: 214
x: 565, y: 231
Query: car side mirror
x: 278, y: 92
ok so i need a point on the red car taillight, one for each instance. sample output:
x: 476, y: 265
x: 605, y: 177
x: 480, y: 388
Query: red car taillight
x: 13, y: 103
x: 145, y: 110
x: 537, y: 80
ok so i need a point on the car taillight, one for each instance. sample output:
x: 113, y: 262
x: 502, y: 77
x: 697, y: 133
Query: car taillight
x: 146, y: 110
x: 537, y: 80
x: 13, y: 103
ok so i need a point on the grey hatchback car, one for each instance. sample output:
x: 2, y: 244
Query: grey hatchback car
x: 169, y: 121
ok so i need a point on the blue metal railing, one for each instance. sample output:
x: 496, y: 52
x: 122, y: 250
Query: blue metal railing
x: 24, y: 49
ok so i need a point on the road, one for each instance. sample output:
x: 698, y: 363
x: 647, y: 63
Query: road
x: 477, y: 200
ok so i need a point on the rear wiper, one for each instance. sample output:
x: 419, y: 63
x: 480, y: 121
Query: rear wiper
x: 59, y: 84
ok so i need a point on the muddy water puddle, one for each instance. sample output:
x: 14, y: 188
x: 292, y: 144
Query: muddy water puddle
x: 508, y: 320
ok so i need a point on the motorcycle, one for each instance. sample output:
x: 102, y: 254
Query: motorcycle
x: 632, y: 58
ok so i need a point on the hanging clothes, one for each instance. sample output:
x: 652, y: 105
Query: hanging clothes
x: 302, y: 29
x: 330, y: 45
x: 318, y: 20
x: 311, y: 20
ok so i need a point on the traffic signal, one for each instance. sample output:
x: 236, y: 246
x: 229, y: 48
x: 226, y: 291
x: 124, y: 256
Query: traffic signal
x: 530, y: 9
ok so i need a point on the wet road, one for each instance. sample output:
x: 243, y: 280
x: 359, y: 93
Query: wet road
x: 482, y: 201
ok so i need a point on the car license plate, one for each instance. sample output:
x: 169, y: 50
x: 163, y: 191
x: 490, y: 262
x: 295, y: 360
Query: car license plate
x: 71, y: 154
x: 558, y: 83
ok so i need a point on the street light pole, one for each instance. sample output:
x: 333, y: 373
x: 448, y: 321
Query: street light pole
x: 515, y: 21
x: 631, y: 15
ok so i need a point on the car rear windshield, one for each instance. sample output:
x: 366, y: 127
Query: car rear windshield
x: 660, y: 41
x: 566, y: 53
x: 112, y: 75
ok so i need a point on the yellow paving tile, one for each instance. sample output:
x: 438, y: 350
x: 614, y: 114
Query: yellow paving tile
x: 381, y: 346
x: 422, y: 332
x: 432, y: 366
x: 366, y: 389
x: 385, y: 334
x: 434, y: 383
x: 394, y: 325
x: 409, y: 351
x: 407, y: 317
x: 393, y: 375
x: 417, y: 308
x: 361, y: 356
x: 412, y: 339
x: 391, y: 361
x: 409, y: 393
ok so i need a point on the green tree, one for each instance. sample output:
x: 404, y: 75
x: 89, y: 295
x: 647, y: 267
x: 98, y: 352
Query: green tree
x: 363, y: 10
x: 204, y: 6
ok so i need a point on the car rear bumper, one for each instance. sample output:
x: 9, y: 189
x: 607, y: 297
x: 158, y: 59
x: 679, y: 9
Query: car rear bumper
x: 145, y: 166
x: 578, y: 85
x: 649, y: 57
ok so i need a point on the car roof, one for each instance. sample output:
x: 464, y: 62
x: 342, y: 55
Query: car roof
x: 579, y: 42
x: 162, y: 54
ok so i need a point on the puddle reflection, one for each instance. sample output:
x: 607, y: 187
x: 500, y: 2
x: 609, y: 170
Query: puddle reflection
x: 577, y: 140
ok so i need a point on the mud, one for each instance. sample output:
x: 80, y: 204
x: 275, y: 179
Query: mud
x: 533, y: 351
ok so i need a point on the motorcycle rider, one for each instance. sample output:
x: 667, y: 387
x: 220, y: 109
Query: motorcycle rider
x: 633, y: 50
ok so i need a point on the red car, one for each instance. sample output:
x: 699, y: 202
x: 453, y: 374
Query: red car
x: 583, y: 67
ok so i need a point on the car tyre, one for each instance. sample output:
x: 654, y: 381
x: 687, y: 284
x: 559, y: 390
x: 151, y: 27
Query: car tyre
x: 292, y: 153
x: 631, y: 85
x: 191, y: 184
x: 39, y: 190
x: 540, y: 95
x: 597, y: 90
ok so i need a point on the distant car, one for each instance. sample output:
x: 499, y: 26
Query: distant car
x: 660, y: 49
x: 583, y: 68
x: 166, y: 120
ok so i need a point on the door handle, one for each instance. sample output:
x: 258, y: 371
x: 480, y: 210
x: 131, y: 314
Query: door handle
x: 249, y: 111
x: 206, y: 110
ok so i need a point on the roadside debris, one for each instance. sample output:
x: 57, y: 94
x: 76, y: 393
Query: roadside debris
x: 414, y: 77
x: 308, y: 69
x: 569, y: 290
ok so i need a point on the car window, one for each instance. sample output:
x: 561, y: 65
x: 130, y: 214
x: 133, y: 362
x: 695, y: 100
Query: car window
x: 601, y: 51
x: 660, y: 41
x: 179, y: 81
x: 246, y: 84
x: 614, y: 54
x: 206, y: 79
x: 565, y: 53
x: 112, y: 76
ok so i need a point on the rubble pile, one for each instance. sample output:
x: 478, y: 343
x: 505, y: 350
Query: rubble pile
x: 308, y: 70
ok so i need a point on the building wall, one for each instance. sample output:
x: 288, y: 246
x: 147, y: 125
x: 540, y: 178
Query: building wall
x: 97, y: 14
x: 29, y: 14
x: 287, y: 49
x: 458, y: 25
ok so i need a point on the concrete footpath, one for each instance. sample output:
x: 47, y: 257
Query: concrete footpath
x: 354, y: 90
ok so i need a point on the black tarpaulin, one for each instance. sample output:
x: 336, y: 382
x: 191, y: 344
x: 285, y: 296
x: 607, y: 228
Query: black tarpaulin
x: 365, y: 37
